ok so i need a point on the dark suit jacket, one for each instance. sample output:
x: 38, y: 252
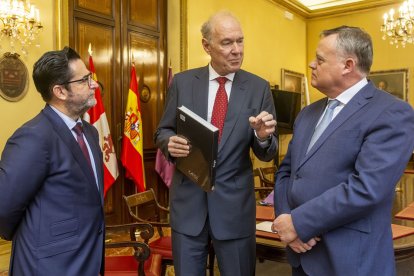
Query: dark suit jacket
x: 49, y: 202
x: 343, y: 189
x: 231, y: 206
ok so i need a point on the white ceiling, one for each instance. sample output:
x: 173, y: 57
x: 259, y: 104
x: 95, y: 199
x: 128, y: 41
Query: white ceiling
x: 321, y: 4
x: 320, y: 8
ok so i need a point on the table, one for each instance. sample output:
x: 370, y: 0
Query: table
x: 273, y: 250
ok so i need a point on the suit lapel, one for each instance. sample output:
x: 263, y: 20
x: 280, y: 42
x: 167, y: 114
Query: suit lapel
x: 200, y: 93
x: 97, y: 155
x: 237, y: 97
x: 65, y: 134
x: 355, y: 104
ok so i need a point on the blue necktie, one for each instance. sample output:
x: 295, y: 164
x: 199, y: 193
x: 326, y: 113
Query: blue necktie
x: 323, y: 124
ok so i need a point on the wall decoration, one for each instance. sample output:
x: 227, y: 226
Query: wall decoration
x: 295, y: 82
x: 14, y: 77
x: 394, y: 82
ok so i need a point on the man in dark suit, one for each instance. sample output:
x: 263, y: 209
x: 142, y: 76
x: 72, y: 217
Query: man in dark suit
x: 226, y: 214
x: 51, y: 191
x: 334, y: 194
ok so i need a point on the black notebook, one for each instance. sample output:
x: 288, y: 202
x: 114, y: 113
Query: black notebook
x: 202, y: 136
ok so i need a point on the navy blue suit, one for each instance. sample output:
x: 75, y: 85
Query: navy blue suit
x: 230, y: 208
x: 50, y: 205
x: 342, y: 190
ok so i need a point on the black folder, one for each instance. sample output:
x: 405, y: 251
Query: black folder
x: 202, y: 136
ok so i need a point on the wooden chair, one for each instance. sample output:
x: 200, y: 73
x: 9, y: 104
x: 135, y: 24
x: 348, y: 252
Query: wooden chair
x: 265, y: 186
x: 141, y: 262
x: 144, y: 207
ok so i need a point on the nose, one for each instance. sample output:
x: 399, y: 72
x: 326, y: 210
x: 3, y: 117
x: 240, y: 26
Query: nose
x: 312, y: 65
x: 94, y: 84
x: 236, y: 48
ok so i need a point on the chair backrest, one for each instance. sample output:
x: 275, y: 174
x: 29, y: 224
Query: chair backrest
x: 267, y: 176
x: 144, y: 207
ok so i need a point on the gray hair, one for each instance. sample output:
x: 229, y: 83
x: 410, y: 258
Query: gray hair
x: 356, y: 42
x: 206, y: 28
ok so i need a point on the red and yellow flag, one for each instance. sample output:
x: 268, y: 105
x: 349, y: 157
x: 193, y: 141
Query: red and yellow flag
x: 132, y: 156
x: 96, y: 116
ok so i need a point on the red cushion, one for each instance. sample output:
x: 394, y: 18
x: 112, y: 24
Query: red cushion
x: 163, y: 247
x: 127, y: 265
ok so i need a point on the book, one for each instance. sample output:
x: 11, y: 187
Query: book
x: 400, y: 231
x: 265, y: 213
x: 200, y: 165
x: 264, y: 230
x: 406, y: 213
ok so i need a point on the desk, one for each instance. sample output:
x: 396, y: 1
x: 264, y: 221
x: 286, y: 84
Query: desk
x: 273, y: 250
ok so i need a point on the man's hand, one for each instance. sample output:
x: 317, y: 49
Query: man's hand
x: 263, y: 124
x: 283, y: 225
x: 300, y: 247
x: 178, y: 146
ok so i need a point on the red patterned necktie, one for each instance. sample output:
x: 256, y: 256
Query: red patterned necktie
x: 79, y: 137
x: 220, y: 106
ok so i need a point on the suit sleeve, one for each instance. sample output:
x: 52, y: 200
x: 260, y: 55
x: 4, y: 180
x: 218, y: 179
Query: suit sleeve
x: 23, y: 167
x: 266, y: 153
x: 380, y: 163
x: 167, y: 125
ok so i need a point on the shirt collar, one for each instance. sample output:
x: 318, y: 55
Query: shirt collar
x: 68, y: 121
x: 348, y: 94
x: 213, y: 74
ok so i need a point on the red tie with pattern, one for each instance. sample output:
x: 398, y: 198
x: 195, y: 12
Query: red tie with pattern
x: 79, y: 137
x: 220, y: 106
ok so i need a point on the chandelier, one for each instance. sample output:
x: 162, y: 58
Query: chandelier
x: 399, y: 30
x: 20, y: 23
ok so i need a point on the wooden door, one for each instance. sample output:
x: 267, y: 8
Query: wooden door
x: 122, y: 32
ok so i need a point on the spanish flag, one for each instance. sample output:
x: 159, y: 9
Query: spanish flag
x: 132, y: 156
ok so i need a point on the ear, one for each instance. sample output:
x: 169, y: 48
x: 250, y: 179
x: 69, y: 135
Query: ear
x: 206, y: 45
x: 349, y: 65
x: 60, y: 92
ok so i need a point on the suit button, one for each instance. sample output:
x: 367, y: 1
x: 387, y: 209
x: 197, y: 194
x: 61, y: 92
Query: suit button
x: 100, y: 231
x: 297, y: 177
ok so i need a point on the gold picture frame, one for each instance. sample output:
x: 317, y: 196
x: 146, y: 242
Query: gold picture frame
x: 294, y: 82
x: 394, y: 82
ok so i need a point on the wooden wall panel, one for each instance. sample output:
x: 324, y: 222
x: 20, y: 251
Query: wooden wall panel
x: 98, y: 6
x: 144, y: 49
x: 144, y: 13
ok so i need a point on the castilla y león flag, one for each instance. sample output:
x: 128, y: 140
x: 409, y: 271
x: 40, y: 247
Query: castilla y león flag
x: 132, y: 144
x: 97, y: 117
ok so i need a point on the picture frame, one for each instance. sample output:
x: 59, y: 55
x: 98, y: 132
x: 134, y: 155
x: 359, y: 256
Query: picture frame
x: 294, y: 82
x: 394, y: 82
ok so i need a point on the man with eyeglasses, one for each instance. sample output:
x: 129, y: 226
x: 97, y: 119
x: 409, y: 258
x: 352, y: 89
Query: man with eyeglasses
x: 51, y: 177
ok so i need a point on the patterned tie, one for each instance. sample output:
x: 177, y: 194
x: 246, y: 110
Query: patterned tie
x: 323, y: 124
x: 79, y: 137
x: 220, y: 106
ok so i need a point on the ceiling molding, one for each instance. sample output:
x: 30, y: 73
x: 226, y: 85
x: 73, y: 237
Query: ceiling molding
x: 298, y: 8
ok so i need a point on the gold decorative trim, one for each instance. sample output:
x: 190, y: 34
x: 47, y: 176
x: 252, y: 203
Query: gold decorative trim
x: 62, y: 23
x: 183, y: 35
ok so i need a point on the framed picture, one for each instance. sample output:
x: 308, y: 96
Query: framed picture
x: 394, y: 82
x: 294, y: 82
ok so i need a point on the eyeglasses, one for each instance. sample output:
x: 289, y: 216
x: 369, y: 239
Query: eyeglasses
x: 87, y: 78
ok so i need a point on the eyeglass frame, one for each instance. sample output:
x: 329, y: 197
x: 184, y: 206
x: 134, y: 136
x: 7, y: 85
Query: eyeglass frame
x: 87, y: 78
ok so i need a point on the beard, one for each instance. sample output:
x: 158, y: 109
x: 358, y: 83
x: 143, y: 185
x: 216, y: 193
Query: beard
x: 77, y: 106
